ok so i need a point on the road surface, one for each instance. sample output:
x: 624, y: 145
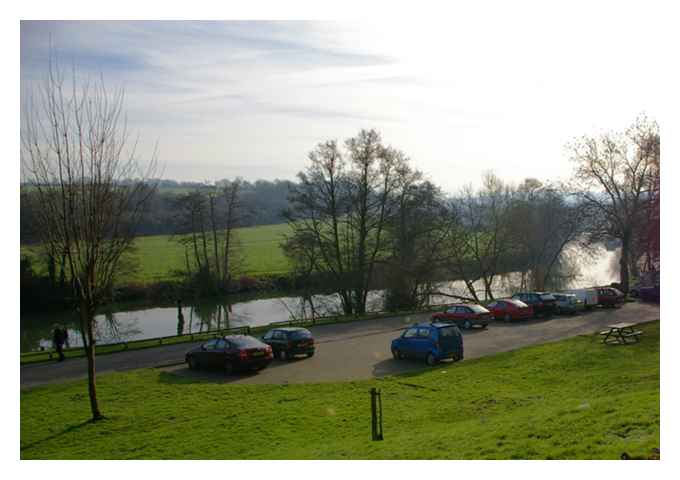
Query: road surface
x: 351, y: 351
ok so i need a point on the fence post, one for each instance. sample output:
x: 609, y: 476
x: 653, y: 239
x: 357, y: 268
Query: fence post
x: 376, y: 415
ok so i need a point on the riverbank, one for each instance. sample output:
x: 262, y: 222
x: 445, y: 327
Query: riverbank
x: 572, y: 399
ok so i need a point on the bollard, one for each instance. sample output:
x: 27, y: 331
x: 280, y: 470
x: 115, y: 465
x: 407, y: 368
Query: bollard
x: 376, y: 415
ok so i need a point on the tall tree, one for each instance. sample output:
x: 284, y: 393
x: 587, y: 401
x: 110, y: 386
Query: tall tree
x: 613, y: 176
x: 340, y: 209
x: 77, y: 157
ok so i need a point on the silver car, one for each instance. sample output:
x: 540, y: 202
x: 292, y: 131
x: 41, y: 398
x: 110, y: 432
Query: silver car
x: 568, y: 303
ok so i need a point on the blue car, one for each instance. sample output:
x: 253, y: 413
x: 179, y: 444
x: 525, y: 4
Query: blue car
x: 431, y: 342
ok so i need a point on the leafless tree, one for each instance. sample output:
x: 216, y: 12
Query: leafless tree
x: 545, y: 220
x: 76, y: 153
x: 482, y: 235
x: 613, y: 176
x: 340, y: 210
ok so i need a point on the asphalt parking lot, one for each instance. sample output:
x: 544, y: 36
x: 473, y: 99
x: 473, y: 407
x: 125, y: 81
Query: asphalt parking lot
x: 352, y: 351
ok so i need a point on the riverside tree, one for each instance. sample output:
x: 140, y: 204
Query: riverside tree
x: 614, y: 178
x: 339, y: 211
x: 76, y: 155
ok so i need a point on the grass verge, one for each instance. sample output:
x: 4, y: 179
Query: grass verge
x: 575, y: 398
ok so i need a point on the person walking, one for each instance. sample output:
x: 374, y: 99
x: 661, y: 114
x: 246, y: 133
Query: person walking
x: 59, y: 338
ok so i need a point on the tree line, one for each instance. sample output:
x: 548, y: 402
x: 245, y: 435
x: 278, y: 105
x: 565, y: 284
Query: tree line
x: 262, y: 203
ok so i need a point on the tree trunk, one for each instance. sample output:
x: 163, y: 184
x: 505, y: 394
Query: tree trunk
x: 87, y: 329
x: 624, y: 262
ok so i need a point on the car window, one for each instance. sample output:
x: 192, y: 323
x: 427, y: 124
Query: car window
x: 462, y: 310
x: 547, y: 296
x: 448, y: 331
x: 210, y: 344
x: 451, y: 310
x: 301, y: 334
x: 500, y: 305
x: 221, y: 343
x: 495, y: 305
x: 279, y: 335
x: 423, y: 332
x: 410, y: 333
x: 268, y: 335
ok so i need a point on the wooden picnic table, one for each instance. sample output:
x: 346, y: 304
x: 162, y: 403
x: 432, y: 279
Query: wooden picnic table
x: 621, y: 334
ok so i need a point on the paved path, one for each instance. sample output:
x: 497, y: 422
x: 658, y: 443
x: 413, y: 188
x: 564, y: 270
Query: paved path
x: 352, y: 351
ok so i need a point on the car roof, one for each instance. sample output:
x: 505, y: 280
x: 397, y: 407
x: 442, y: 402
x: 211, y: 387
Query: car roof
x: 442, y: 325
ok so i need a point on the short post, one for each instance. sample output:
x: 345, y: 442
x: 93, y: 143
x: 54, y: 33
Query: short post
x: 376, y: 415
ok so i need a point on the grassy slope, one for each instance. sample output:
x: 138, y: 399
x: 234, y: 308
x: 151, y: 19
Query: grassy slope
x: 571, y: 399
x: 157, y: 256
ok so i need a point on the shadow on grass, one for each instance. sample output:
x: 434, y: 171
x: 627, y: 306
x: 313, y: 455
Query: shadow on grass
x: 184, y: 376
x: 72, y: 428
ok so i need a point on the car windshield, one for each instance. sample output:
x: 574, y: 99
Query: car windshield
x: 298, y: 334
x: 247, y: 342
x: 517, y: 303
x: 477, y: 308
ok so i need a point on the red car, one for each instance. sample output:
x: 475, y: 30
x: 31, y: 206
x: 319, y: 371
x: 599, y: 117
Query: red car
x: 509, y: 309
x: 609, y: 297
x: 464, y: 315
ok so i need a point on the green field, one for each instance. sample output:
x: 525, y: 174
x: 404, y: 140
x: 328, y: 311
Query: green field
x: 156, y: 257
x: 571, y: 399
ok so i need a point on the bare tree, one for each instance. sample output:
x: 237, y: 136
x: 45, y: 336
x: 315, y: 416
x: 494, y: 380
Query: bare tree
x: 340, y: 210
x: 545, y: 222
x: 482, y: 237
x: 613, y: 177
x: 77, y: 155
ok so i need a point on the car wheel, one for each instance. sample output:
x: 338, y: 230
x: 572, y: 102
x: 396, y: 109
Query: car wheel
x: 283, y: 355
x: 431, y: 359
x: 507, y: 317
x: 228, y: 367
x: 193, y: 364
x: 395, y: 354
x: 467, y: 324
x: 310, y: 354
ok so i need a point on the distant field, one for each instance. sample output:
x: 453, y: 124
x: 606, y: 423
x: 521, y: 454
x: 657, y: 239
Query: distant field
x: 157, y: 256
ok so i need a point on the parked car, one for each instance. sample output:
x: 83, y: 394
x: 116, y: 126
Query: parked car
x: 465, y: 315
x: 287, y: 342
x: 567, y: 303
x: 431, y: 342
x: 610, y: 297
x: 587, y: 295
x: 543, y: 303
x: 508, y: 309
x: 650, y: 294
x: 231, y: 353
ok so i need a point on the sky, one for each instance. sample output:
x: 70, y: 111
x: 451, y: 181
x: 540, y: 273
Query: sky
x: 499, y: 91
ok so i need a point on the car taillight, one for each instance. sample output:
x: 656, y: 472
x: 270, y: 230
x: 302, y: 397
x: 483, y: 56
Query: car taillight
x: 243, y: 354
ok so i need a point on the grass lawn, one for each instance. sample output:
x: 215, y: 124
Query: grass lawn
x: 571, y: 399
x: 157, y: 257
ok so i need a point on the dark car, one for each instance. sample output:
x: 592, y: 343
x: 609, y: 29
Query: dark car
x: 464, y: 315
x: 610, y: 297
x: 431, y: 342
x: 650, y: 294
x: 287, y: 342
x: 231, y: 353
x: 543, y: 303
